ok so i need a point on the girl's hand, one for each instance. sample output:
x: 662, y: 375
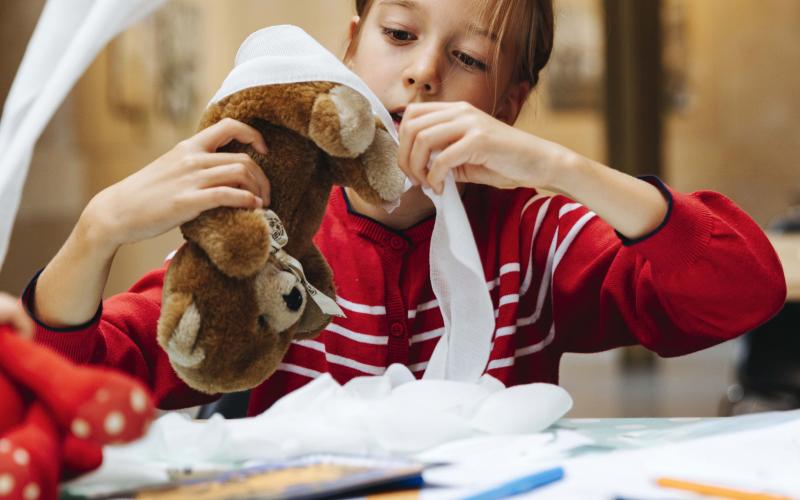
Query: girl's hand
x: 178, y: 186
x: 11, y: 312
x: 476, y: 147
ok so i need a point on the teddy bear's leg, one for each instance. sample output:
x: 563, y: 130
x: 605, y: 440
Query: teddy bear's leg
x: 12, y: 409
x: 79, y: 456
x: 236, y: 240
x: 374, y: 175
x: 29, y: 457
x: 319, y: 274
x: 93, y: 403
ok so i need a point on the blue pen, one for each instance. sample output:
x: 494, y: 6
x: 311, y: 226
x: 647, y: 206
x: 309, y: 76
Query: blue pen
x: 520, y: 485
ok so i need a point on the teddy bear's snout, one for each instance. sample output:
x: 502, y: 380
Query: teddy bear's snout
x: 281, y: 298
x: 293, y: 299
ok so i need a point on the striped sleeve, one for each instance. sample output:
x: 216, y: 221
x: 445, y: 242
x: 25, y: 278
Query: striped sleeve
x: 705, y: 275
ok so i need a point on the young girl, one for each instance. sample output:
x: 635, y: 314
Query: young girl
x: 611, y: 261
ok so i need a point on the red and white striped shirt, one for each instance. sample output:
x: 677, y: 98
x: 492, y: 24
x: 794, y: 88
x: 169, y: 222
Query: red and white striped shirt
x: 561, y: 280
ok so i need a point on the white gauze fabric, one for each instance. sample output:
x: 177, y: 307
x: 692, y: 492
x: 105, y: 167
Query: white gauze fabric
x: 287, y: 54
x: 68, y: 36
x: 388, y: 415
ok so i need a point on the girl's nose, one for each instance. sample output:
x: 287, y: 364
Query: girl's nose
x: 423, y: 76
x: 426, y: 87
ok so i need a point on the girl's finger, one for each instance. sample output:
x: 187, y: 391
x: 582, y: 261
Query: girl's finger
x: 225, y: 196
x: 210, y: 160
x: 207, y: 160
x: 411, y: 127
x: 436, y: 138
x: 234, y: 175
x: 480, y: 174
x: 457, y: 154
x: 226, y: 130
x: 22, y: 323
x: 418, y: 109
x: 11, y: 312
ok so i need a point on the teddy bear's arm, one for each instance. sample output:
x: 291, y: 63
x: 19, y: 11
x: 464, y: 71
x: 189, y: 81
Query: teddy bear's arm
x: 374, y: 175
x: 236, y: 240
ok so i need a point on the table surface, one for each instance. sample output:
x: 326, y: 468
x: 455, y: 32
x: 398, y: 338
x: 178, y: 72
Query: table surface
x: 619, y: 434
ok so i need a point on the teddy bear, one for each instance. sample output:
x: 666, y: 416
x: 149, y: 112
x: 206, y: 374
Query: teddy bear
x: 248, y: 282
x: 55, y: 416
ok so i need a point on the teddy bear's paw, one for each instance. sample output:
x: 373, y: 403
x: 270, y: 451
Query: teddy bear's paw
x: 342, y: 124
x: 383, y: 174
x: 118, y: 411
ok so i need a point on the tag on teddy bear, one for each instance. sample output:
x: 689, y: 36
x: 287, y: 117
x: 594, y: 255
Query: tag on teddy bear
x: 289, y: 263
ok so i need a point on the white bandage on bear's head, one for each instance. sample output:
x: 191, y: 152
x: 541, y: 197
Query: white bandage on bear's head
x: 287, y: 54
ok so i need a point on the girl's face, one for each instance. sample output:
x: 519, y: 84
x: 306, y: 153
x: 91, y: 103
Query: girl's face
x: 432, y: 50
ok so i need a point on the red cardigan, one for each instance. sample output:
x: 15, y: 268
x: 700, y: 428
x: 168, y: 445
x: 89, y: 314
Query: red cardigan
x: 560, y: 278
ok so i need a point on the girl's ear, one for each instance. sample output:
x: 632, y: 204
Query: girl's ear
x: 513, y: 101
x: 352, y: 31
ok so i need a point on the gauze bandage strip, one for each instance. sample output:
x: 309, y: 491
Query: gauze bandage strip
x: 287, y: 54
x: 67, y: 37
x: 458, y: 282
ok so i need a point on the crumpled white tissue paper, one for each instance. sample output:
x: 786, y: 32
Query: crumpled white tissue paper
x: 392, y: 414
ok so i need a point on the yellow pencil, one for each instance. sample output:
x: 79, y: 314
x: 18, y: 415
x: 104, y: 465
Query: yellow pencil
x: 718, y: 491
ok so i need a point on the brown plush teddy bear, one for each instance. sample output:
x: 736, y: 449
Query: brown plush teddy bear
x: 233, y: 298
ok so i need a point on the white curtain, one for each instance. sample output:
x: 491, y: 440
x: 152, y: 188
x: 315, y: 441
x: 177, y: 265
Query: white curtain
x: 68, y: 36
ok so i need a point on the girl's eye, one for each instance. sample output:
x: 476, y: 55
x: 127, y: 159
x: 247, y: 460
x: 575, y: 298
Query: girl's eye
x: 469, y: 61
x: 398, y: 35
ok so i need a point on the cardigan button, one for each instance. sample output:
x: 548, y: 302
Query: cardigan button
x: 397, y: 329
x: 397, y: 243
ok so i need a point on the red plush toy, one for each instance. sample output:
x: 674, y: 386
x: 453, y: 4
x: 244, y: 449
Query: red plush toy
x: 55, y: 416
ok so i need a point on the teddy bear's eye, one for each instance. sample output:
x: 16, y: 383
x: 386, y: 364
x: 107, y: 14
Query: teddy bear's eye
x: 263, y: 321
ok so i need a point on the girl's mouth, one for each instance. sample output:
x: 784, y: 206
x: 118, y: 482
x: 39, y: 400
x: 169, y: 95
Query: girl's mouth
x: 397, y: 117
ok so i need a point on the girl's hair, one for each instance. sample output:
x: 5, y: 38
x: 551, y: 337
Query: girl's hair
x: 527, y: 25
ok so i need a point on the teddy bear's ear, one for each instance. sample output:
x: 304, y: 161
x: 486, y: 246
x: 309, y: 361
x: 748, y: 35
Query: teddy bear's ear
x: 374, y: 175
x: 341, y: 122
x: 312, y: 322
x: 178, y: 329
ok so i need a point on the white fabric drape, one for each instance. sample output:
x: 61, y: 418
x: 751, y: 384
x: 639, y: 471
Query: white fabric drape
x: 68, y: 36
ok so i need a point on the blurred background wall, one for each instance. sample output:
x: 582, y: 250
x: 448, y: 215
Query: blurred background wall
x: 729, y: 121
